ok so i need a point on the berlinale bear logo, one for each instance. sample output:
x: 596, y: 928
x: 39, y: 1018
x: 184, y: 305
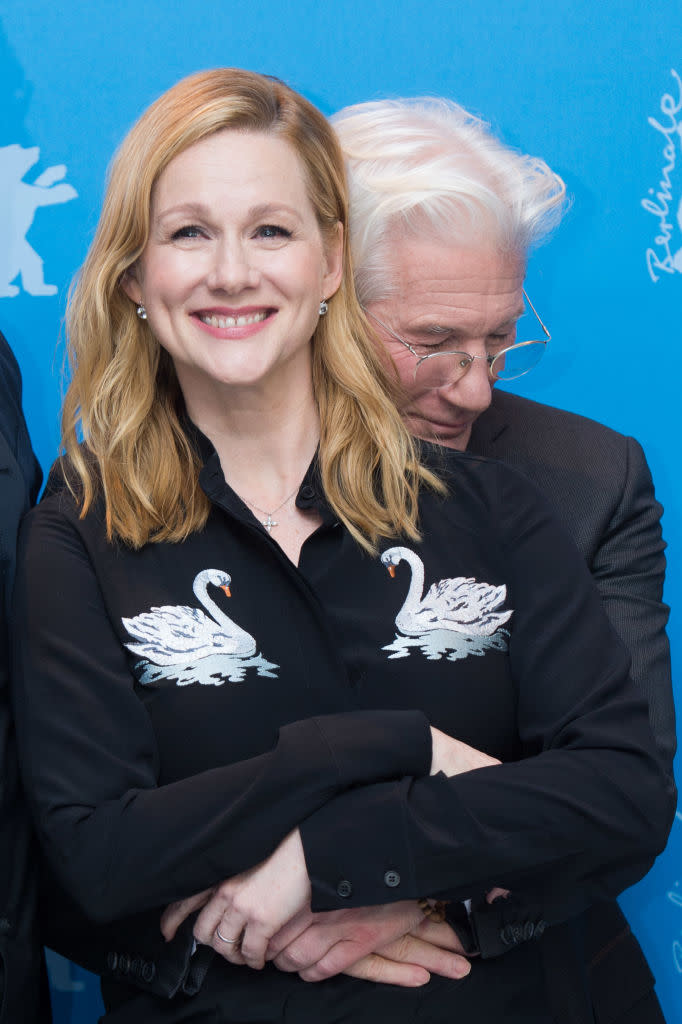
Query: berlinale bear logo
x: 19, y: 201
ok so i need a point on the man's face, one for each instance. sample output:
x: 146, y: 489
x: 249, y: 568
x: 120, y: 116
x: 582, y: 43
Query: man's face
x: 448, y: 298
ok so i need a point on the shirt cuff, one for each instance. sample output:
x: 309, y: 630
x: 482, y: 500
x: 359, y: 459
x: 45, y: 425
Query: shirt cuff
x: 348, y: 867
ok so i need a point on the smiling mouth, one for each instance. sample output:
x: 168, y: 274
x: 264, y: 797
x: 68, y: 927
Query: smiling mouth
x: 213, y: 320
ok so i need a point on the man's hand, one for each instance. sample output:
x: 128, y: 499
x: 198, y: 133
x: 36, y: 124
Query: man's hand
x: 393, y: 943
x: 176, y: 913
x: 410, y: 961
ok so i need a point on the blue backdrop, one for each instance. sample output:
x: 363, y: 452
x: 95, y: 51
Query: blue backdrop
x: 594, y: 89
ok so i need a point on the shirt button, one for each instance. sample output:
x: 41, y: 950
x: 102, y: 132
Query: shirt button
x: 391, y: 879
x: 344, y: 889
x: 306, y: 492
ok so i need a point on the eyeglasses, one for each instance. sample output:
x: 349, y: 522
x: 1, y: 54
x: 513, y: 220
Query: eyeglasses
x: 441, y: 369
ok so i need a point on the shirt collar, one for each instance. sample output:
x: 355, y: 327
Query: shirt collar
x: 213, y: 483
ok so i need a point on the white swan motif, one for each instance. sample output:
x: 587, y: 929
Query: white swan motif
x: 459, y: 605
x: 177, y: 634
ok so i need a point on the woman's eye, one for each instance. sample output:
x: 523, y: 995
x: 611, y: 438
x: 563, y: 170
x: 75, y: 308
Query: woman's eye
x: 188, y: 231
x: 273, y: 231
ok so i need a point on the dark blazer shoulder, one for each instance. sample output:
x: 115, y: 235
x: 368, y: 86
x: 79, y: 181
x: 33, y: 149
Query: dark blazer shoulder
x: 592, y: 475
x: 521, y: 423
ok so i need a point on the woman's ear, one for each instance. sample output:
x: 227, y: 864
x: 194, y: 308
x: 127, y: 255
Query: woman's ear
x: 333, y: 261
x: 130, y: 285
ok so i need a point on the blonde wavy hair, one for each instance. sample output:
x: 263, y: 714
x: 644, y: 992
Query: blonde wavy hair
x: 122, y: 421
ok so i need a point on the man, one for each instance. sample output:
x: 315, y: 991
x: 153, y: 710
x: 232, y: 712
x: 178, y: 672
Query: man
x: 443, y: 216
x: 22, y: 989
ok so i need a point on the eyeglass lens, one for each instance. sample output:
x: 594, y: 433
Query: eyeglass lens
x: 445, y: 368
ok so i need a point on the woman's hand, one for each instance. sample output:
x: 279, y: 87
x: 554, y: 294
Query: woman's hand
x: 452, y: 757
x: 393, y: 944
x: 240, y: 916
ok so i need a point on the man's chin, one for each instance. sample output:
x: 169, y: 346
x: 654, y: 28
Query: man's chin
x: 449, y: 435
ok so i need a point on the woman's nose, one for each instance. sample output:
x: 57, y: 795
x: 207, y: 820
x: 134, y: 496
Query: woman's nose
x: 231, y: 268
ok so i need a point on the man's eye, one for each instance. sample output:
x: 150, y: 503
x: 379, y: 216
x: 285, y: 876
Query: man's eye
x: 446, y: 345
x: 188, y: 231
x: 273, y: 231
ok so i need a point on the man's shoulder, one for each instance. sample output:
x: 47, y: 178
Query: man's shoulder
x: 518, y: 410
x: 527, y: 427
x: 591, y: 474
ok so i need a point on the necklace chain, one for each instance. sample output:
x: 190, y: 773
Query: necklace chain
x: 269, y: 522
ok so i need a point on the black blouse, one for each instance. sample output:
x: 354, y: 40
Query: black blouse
x: 172, y: 735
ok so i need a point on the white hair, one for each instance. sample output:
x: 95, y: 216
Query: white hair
x: 428, y: 166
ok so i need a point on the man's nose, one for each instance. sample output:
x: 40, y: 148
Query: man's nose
x: 473, y: 391
x: 231, y: 268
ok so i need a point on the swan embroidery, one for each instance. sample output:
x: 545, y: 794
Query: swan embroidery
x: 186, y: 644
x: 456, y: 617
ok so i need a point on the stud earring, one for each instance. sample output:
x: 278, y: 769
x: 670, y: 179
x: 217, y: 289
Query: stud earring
x: 324, y: 306
x: 141, y: 312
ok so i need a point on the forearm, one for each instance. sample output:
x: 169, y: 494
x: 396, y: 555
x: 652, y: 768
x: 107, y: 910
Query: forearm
x: 154, y: 845
x: 519, y: 826
x: 123, y: 829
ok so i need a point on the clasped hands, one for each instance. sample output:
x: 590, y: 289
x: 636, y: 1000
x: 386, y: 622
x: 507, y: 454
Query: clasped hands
x: 263, y: 914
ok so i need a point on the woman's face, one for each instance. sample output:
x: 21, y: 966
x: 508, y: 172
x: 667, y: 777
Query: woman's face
x: 235, y: 266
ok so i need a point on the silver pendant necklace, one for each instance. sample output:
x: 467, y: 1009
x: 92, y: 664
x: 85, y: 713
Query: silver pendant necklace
x: 269, y: 522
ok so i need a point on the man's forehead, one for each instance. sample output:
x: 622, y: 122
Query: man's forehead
x: 435, y: 279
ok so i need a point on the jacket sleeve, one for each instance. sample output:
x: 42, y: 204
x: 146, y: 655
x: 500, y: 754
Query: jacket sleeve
x: 119, y: 842
x: 627, y: 565
x: 628, y: 568
x: 577, y: 819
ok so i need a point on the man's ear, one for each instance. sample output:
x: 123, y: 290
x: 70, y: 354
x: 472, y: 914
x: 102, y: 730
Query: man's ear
x: 130, y: 285
x: 333, y: 261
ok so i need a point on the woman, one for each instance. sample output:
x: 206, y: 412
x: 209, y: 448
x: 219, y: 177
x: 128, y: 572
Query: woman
x: 229, y: 659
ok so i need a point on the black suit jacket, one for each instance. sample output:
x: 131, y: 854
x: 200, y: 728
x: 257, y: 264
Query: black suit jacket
x: 20, y: 961
x: 600, y: 486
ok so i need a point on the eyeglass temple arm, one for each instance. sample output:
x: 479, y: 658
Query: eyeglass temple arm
x: 391, y: 332
x: 537, y: 315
